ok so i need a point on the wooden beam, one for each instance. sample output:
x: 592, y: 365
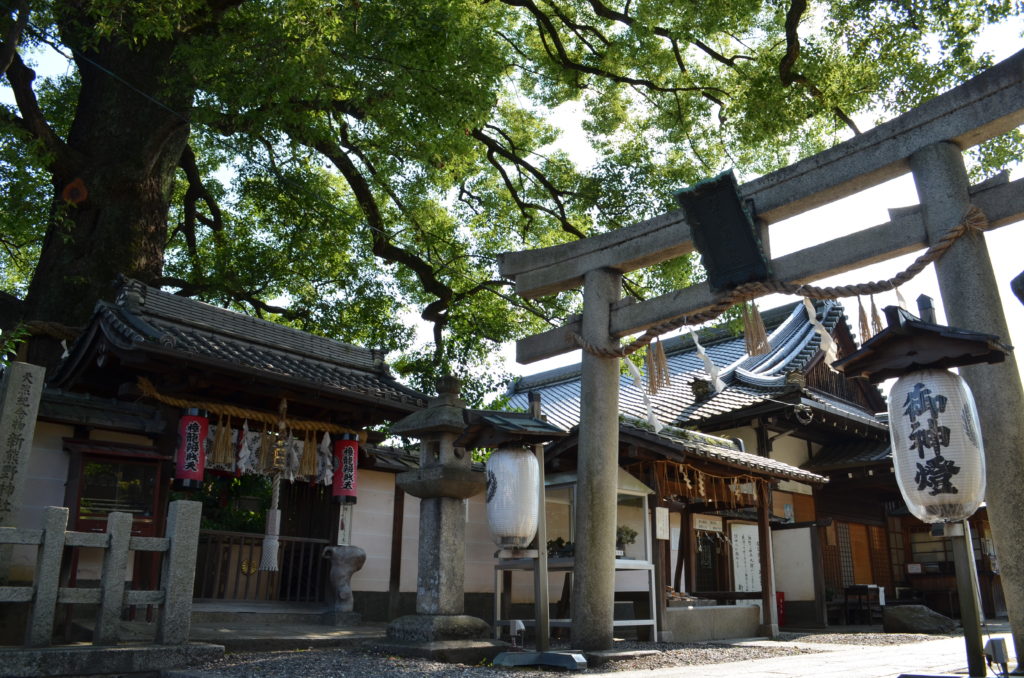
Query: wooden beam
x: 980, y: 109
x: 1002, y: 201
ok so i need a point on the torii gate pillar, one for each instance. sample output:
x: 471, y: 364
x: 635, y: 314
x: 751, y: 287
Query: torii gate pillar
x: 593, y: 588
x: 970, y: 298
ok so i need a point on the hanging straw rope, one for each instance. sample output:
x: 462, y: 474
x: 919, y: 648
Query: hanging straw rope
x: 754, y: 333
x: 148, y: 390
x: 268, y: 559
x: 974, y: 221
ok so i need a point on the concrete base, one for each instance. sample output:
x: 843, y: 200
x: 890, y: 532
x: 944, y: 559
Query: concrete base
x: 425, y: 628
x: 92, y: 660
x: 452, y: 651
x: 693, y: 624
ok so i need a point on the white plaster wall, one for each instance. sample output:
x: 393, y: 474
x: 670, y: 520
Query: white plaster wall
x: 794, y: 574
x: 371, y: 530
x: 790, y: 450
x: 45, y: 476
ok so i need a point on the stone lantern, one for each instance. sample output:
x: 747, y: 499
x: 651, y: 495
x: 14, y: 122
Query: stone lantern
x: 443, y: 480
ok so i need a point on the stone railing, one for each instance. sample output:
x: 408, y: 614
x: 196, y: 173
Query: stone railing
x: 177, y: 575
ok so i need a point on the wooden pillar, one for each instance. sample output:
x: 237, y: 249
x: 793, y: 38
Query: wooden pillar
x: 818, y: 565
x: 770, y: 614
x: 971, y: 301
x: 593, y: 594
x: 541, y: 603
x: 682, y: 551
x: 395, y: 575
x: 658, y: 551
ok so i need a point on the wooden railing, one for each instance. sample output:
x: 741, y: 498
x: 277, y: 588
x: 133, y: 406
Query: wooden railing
x: 227, y: 568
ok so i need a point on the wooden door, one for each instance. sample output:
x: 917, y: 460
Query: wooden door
x: 860, y: 551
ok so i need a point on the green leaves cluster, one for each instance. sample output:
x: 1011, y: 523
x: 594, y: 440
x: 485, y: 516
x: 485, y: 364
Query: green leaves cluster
x: 360, y: 163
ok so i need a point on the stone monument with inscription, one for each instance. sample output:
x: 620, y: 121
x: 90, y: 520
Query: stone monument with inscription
x: 20, y: 391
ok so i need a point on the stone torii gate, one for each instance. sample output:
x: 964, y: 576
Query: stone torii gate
x: 927, y: 141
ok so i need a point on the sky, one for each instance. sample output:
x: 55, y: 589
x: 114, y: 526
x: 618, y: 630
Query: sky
x: 863, y: 210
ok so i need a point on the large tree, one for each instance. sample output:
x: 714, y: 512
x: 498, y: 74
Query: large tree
x: 363, y: 159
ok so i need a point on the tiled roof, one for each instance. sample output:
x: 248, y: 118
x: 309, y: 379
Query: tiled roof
x: 849, y: 454
x: 722, y: 451
x: 152, y: 321
x: 749, y: 380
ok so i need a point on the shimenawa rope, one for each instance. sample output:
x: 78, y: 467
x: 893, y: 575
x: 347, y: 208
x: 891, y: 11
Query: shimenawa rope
x: 974, y: 220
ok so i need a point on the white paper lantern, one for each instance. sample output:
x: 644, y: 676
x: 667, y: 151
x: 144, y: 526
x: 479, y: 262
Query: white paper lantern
x: 512, y: 492
x: 936, y: 445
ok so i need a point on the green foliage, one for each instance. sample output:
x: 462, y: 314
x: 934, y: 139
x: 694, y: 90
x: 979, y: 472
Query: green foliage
x: 9, y: 342
x: 233, y: 504
x: 366, y: 162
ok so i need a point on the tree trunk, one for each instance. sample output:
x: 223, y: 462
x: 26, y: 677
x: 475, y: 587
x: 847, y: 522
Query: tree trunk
x: 112, y: 189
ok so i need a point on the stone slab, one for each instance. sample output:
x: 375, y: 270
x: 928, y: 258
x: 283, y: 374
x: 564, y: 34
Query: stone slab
x: 89, y: 660
x: 436, y: 482
x: 425, y: 628
x: 451, y: 651
x: 340, y: 618
x: 600, y: 657
x: 694, y: 624
x: 569, y: 660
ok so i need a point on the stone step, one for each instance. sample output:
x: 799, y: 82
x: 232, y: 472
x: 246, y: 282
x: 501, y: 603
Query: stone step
x: 247, y: 612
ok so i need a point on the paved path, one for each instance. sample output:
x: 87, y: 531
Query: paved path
x: 934, y: 657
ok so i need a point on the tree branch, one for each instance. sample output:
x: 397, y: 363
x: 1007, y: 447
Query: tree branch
x: 549, y: 31
x: 196, y: 192
x: 495, y: 148
x: 191, y: 289
x: 21, y: 76
x: 788, y: 76
x: 9, y: 47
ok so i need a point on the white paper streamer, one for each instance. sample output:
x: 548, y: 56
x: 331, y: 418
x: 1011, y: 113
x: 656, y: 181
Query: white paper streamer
x: 248, y: 449
x: 709, y: 366
x: 325, y: 461
x: 293, y: 457
x: 828, y: 344
x: 638, y: 381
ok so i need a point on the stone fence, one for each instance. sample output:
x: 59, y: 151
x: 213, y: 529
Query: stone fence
x: 177, y: 574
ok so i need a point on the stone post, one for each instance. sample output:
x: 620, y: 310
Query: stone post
x: 971, y: 301
x: 20, y: 391
x: 179, y: 572
x: 443, y: 480
x: 593, y: 588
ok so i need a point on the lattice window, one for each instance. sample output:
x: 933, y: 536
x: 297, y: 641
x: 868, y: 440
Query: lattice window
x: 845, y: 554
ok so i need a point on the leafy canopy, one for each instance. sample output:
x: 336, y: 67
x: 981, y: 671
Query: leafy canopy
x: 352, y: 164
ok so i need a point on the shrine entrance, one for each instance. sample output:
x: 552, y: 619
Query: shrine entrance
x: 928, y: 142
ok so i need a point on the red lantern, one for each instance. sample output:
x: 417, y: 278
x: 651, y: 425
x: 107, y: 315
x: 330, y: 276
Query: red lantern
x: 347, y: 454
x: 193, y: 429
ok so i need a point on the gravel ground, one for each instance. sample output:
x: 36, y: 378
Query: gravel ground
x: 356, y: 664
